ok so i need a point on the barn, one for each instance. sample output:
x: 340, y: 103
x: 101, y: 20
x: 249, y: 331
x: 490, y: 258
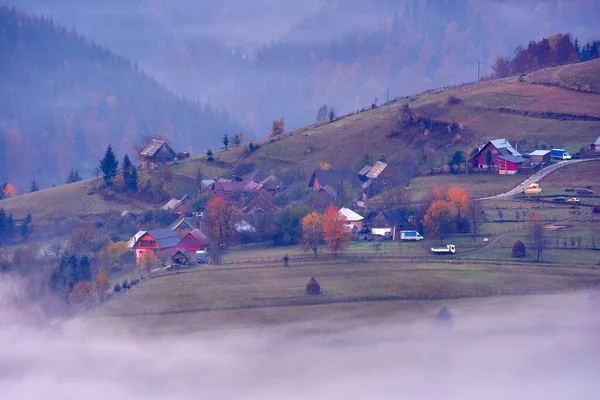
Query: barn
x: 487, y: 157
x: 509, y: 165
x: 157, y: 153
x: 539, y: 156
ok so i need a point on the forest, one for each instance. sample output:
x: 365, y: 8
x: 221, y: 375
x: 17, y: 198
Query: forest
x: 63, y: 97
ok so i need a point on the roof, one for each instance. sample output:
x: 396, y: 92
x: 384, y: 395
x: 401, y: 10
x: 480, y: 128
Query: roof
x: 185, y: 253
x: 502, y: 145
x: 171, y: 205
x: 377, y: 169
x: 165, y: 237
x: 127, y: 213
x: 131, y: 243
x: 244, y: 226
x: 597, y: 142
x: 153, y: 147
x: 539, y: 153
x: 199, y: 236
x: 513, y: 159
x: 331, y: 191
x: 190, y: 222
x: 227, y: 188
x: 365, y: 170
x: 325, y: 177
x: 207, y: 182
x: 251, y: 186
x: 381, y: 221
x: 350, y: 215
x: 271, y: 182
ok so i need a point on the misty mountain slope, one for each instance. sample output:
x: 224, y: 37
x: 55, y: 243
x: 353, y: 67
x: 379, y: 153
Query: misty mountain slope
x: 530, y: 116
x: 63, y: 99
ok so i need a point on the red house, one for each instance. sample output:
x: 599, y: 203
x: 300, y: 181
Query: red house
x: 193, y: 241
x: 498, y: 156
x: 159, y: 241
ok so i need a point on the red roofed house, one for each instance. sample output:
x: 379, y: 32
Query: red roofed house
x: 158, y: 241
x: 157, y: 153
x: 500, y: 155
x: 193, y: 241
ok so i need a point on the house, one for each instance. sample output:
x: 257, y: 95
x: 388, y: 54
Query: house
x: 595, y: 147
x: 184, y: 224
x: 158, y: 241
x: 157, y: 153
x: 243, y: 226
x: 325, y: 197
x: 226, y: 189
x: 181, y: 258
x: 178, y: 207
x: 509, y: 164
x: 382, y: 225
x: 261, y: 203
x: 320, y: 178
x: 362, y: 174
x: 194, y: 241
x: 381, y: 171
x: 128, y: 215
x: 487, y: 156
x: 272, y: 184
x: 539, y: 156
x: 375, y: 178
x: 352, y: 219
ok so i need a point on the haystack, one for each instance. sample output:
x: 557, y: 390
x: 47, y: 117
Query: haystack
x: 313, y: 287
x: 444, y: 315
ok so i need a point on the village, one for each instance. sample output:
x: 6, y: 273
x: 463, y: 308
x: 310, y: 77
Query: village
x: 185, y: 242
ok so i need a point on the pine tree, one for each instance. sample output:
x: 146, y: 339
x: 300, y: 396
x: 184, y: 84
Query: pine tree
x: 226, y: 141
x: 85, y: 272
x: 73, y: 176
x: 127, y: 172
x: 133, y: 180
x: 10, y: 228
x: 209, y: 155
x: 109, y: 165
x: 3, y: 225
x: 34, y: 186
x: 25, y: 228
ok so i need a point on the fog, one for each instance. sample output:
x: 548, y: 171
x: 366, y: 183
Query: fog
x: 525, y: 348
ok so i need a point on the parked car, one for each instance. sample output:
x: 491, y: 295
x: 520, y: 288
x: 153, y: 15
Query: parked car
x: 559, y: 199
x: 534, y: 188
x: 584, y: 191
x: 573, y: 200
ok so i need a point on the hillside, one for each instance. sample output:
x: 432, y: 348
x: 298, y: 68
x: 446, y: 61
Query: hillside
x: 64, y: 98
x: 530, y: 116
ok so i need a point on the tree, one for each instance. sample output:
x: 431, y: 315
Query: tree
x: 335, y: 232
x: 226, y: 141
x: 238, y: 139
x: 9, y: 190
x: 74, y: 176
x: 26, y: 229
x: 501, y: 67
x: 109, y: 165
x: 112, y: 253
x: 102, y: 282
x: 457, y: 159
x: 475, y: 213
x: 439, y: 218
x: 83, y: 295
x: 132, y: 185
x: 288, y: 224
x: 147, y: 261
x: 518, y: 249
x: 461, y: 199
x: 277, y: 127
x: 286, y: 260
x: 331, y: 114
x: 221, y: 216
x: 34, y: 186
x: 209, y: 155
x: 538, y: 235
x: 324, y: 113
x: 312, y: 231
x: 84, y: 238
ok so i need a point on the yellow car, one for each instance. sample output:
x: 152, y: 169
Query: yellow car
x: 534, y: 188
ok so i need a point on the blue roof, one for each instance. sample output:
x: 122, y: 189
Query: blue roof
x: 165, y: 237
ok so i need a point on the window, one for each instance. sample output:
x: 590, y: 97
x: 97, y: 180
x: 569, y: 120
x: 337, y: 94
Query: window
x: 148, y: 243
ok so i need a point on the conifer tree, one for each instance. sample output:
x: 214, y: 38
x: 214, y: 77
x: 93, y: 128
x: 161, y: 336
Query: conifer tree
x: 133, y: 180
x: 109, y: 165
x: 34, y: 186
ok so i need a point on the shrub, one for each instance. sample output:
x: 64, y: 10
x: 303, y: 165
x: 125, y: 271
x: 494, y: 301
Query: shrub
x: 518, y: 249
x: 596, y: 210
x: 452, y: 100
x: 117, y: 288
x: 125, y: 285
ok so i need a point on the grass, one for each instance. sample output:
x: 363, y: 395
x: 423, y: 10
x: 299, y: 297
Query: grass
x: 583, y: 73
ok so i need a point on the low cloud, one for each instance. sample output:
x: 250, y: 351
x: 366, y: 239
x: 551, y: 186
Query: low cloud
x: 524, y: 347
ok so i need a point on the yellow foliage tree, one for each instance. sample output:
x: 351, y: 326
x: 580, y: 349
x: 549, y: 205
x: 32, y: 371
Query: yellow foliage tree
x: 147, y: 261
x: 112, y: 253
x: 312, y: 231
x: 83, y: 294
x: 439, y: 218
x: 9, y: 190
x: 102, y: 282
x: 324, y: 166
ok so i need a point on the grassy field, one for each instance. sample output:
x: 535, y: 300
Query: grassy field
x: 216, y: 296
x: 583, y: 73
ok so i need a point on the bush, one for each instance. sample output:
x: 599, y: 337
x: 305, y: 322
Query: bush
x: 117, y: 288
x: 125, y: 285
x: 452, y: 100
x: 596, y: 210
x: 243, y: 168
x: 518, y: 249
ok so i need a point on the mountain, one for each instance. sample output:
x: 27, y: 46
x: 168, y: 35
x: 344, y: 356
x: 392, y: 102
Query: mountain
x: 63, y: 99
x: 262, y: 61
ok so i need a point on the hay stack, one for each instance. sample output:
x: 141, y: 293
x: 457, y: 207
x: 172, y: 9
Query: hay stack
x: 313, y: 287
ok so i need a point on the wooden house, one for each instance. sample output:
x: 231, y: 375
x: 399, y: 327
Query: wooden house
x: 261, y: 203
x: 194, y: 241
x: 539, y: 156
x: 325, y: 197
x: 272, y: 184
x: 320, y: 178
x: 128, y: 215
x: 184, y: 225
x: 352, y: 219
x: 178, y: 207
x: 181, y: 258
x: 380, y: 171
x: 157, y: 153
x: 497, y: 155
x: 381, y: 225
x: 158, y: 241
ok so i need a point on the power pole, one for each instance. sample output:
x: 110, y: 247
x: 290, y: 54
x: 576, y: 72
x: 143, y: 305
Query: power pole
x: 477, y: 71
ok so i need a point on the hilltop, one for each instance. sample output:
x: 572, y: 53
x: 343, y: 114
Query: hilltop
x: 63, y: 98
x: 429, y: 127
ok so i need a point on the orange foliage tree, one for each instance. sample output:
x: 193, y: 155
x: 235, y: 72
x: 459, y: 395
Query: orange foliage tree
x: 102, y: 282
x: 83, y: 294
x: 439, y: 218
x: 9, y: 190
x: 221, y: 216
x: 335, y: 232
x: 460, y: 200
x: 312, y: 231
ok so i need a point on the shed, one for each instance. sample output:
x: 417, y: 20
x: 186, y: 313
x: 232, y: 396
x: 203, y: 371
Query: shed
x: 181, y: 257
x: 156, y: 153
x: 362, y: 174
x: 380, y: 170
x: 509, y: 164
x: 539, y: 156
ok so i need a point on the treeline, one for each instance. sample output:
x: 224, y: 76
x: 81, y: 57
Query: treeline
x: 555, y: 50
x: 10, y: 231
x: 63, y: 96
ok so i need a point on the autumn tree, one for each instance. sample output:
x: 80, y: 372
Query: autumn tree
x: 221, y: 216
x: 9, y: 190
x: 111, y: 255
x: 312, y: 231
x: 102, y: 282
x: 501, y: 67
x: 109, y: 165
x: 34, y: 186
x: 238, y: 139
x: 440, y: 218
x: 538, y: 236
x: 84, y: 238
x: 148, y: 261
x: 277, y: 127
x: 335, y: 231
x: 83, y: 295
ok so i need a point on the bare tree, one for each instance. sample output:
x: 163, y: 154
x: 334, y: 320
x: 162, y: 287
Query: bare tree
x: 538, y: 235
x: 475, y: 213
